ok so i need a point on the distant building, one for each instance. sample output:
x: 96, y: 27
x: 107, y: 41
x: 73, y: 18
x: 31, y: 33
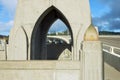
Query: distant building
x: 4, y: 38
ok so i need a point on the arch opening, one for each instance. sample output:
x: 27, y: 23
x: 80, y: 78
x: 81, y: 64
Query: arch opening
x: 39, y: 46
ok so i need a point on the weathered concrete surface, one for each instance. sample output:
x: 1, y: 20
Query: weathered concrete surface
x: 92, y: 61
x: 65, y: 55
x: 19, y: 51
x: 27, y: 14
x: 3, y: 50
x: 2, y: 55
x: 48, y: 70
x: 40, y: 70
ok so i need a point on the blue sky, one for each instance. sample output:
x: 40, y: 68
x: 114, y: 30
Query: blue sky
x: 105, y: 15
x: 7, y: 12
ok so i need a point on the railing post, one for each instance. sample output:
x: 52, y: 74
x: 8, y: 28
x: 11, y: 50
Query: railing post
x: 111, y: 49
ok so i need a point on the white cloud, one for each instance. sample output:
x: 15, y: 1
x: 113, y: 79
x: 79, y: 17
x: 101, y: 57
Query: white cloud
x: 116, y: 30
x: 8, y: 8
x: 9, y: 4
x: 7, y: 12
x: 10, y: 23
x: 117, y: 19
x: 5, y: 27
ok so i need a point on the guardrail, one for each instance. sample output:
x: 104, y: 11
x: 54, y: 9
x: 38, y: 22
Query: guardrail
x: 112, y: 56
x: 112, y: 50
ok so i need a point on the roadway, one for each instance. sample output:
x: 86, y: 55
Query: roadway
x: 111, y: 40
x: 110, y: 73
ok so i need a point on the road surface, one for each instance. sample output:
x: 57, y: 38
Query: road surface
x: 111, y: 40
x: 110, y: 73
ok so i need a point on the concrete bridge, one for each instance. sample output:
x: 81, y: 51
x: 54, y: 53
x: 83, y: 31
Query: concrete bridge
x: 111, y: 59
x: 28, y: 56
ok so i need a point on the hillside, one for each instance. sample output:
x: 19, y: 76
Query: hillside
x: 109, y: 33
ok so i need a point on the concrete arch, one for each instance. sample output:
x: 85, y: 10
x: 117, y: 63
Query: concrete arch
x: 38, y: 39
x: 30, y: 14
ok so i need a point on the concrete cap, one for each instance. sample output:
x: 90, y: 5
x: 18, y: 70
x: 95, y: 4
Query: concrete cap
x: 91, y: 34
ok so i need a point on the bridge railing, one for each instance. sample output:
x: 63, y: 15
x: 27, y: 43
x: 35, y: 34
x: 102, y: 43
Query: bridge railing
x: 112, y: 50
x: 112, y: 56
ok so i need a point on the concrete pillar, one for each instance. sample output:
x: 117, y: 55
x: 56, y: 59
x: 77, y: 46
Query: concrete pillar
x: 92, y: 57
x: 3, y: 50
x: 92, y: 61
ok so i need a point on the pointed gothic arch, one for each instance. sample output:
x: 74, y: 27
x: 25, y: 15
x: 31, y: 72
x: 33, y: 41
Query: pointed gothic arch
x: 39, y: 34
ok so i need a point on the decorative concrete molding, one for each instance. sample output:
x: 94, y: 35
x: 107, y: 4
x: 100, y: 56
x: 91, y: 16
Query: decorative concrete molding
x: 91, y: 34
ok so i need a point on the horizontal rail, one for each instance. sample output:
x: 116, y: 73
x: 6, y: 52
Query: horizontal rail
x: 111, y: 50
x: 111, y: 46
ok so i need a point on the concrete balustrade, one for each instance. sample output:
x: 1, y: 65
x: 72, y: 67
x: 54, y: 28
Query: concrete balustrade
x: 39, y: 70
x: 32, y: 22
